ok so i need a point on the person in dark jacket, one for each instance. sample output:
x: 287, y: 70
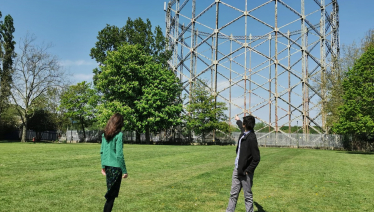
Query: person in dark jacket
x: 247, y: 159
x: 112, y: 159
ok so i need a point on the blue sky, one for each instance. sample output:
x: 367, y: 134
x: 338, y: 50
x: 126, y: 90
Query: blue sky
x: 72, y: 26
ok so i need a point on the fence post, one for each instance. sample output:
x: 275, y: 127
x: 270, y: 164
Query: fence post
x: 297, y: 139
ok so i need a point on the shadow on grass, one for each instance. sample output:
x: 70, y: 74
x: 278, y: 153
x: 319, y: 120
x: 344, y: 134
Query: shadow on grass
x: 27, y: 142
x: 10, y: 141
x: 357, y: 153
x: 259, y: 207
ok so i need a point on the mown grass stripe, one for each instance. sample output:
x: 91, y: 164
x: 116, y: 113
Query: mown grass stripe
x: 66, y: 177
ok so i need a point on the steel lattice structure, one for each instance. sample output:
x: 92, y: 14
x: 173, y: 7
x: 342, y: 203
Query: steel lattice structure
x: 266, y: 58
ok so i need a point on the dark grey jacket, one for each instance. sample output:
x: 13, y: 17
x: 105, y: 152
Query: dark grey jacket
x: 249, y: 156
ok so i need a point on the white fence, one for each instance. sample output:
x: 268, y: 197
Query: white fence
x: 331, y: 141
x: 47, y: 135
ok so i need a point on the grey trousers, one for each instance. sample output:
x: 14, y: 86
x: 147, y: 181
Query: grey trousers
x: 239, y: 182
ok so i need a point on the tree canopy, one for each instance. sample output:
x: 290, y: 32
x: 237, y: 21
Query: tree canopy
x: 7, y: 55
x: 42, y: 120
x: 357, y: 111
x: 79, y: 102
x: 135, y: 85
x: 333, y: 80
x: 204, y: 114
x: 136, y: 31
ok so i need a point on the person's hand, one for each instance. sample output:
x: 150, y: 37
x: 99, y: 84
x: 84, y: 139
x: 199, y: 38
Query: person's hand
x: 103, y: 172
x: 124, y: 176
x: 237, y: 118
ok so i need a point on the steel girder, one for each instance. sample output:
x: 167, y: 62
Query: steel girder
x: 289, y: 54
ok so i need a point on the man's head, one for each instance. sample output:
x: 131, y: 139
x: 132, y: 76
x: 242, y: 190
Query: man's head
x: 249, y: 122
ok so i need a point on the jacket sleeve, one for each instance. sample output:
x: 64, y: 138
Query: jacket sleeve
x: 119, y: 153
x: 102, y: 152
x: 240, y: 125
x: 255, y: 152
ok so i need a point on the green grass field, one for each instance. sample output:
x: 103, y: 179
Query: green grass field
x: 66, y: 177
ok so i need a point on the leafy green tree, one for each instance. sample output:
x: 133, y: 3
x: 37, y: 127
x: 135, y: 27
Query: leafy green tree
x: 41, y: 121
x: 261, y: 127
x: 204, y: 115
x: 134, y: 32
x: 79, y: 102
x: 357, y: 112
x: 332, y: 82
x: 7, y: 55
x: 50, y: 102
x: 152, y: 42
x: 142, y: 90
x: 9, y: 120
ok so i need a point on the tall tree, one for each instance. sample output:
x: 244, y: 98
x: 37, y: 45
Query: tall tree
x: 134, y: 32
x: 41, y: 121
x: 79, y: 103
x: 7, y: 55
x: 204, y: 115
x: 135, y: 85
x: 152, y: 42
x: 35, y: 71
x: 47, y: 105
x: 332, y: 84
x: 357, y: 111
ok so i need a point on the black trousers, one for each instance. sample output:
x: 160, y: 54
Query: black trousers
x: 109, y: 205
x: 113, y: 183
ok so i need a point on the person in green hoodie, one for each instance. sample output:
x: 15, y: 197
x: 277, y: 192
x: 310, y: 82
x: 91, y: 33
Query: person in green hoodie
x: 112, y: 159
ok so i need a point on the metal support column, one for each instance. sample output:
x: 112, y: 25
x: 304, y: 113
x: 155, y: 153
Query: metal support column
x: 276, y: 66
x: 269, y: 83
x: 289, y: 81
x: 245, y: 59
x: 216, y: 63
x: 303, y: 64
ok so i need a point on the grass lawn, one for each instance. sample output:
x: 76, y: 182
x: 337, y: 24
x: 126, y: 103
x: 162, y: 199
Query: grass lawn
x: 66, y: 177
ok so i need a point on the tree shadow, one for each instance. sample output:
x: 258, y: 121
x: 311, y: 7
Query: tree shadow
x: 10, y: 141
x: 357, y: 153
x: 259, y: 207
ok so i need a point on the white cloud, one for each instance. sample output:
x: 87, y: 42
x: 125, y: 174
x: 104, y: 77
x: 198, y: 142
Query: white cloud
x: 82, y: 77
x: 77, y: 63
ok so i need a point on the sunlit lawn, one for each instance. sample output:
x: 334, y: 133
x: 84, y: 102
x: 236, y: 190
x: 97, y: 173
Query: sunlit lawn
x: 66, y: 177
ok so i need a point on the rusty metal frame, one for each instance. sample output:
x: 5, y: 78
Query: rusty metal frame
x: 326, y: 29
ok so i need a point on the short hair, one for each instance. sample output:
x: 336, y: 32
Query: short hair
x: 249, y: 122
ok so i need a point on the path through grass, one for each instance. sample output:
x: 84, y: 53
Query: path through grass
x: 66, y: 177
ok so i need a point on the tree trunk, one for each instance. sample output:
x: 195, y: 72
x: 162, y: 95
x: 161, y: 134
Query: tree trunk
x: 147, y: 137
x: 2, y: 134
x: 173, y: 135
x: 84, y: 132
x: 23, y: 139
x: 38, y: 136
x: 137, y: 137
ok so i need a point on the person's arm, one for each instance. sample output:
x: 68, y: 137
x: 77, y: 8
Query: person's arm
x: 101, y: 156
x: 119, y: 154
x: 255, y: 152
x: 240, y: 125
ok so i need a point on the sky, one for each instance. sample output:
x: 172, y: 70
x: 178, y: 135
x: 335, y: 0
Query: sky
x: 72, y: 26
